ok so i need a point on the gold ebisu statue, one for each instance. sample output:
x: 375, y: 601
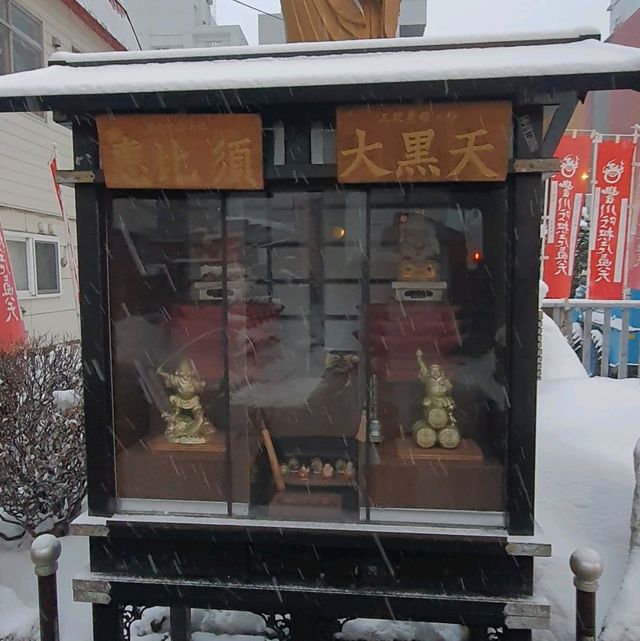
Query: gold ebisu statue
x: 321, y: 20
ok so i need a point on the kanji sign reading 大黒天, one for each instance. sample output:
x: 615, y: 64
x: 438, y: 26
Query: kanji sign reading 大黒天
x: 218, y: 151
x: 424, y: 143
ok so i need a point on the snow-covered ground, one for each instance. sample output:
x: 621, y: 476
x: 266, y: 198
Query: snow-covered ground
x: 587, y: 430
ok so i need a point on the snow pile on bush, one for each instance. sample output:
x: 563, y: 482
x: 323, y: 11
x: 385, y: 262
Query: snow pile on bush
x: 42, y: 453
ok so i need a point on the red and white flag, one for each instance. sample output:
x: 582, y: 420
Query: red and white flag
x: 71, y: 256
x: 566, y: 197
x: 609, y: 219
x: 12, y: 329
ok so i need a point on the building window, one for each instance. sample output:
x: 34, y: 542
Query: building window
x: 19, y: 264
x: 47, y: 272
x: 21, y: 39
x: 35, y: 262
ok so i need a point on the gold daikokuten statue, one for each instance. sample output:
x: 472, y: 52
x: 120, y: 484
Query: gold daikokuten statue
x: 419, y: 249
x: 185, y: 420
x: 320, y: 20
x: 438, y: 425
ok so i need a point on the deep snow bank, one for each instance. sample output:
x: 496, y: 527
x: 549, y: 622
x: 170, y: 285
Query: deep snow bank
x: 587, y: 430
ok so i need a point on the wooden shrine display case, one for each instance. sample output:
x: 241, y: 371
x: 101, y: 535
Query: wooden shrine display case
x: 310, y: 324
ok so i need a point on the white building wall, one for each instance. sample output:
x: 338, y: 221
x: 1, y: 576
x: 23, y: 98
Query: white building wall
x: 621, y: 10
x: 27, y: 198
x: 180, y: 24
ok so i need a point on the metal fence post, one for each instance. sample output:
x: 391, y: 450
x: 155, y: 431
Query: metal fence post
x: 45, y: 552
x: 587, y: 568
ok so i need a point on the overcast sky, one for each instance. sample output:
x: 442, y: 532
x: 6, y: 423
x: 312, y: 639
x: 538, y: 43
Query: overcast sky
x: 461, y: 16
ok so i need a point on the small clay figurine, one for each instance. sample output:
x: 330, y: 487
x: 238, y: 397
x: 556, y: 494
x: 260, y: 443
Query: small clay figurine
x: 303, y: 472
x: 284, y: 468
x: 350, y: 470
x: 185, y: 420
x: 328, y: 471
x: 341, y: 467
x: 316, y: 466
x: 294, y: 465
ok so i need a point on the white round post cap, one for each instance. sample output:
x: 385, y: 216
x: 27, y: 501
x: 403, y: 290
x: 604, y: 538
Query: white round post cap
x: 45, y: 552
x: 587, y: 567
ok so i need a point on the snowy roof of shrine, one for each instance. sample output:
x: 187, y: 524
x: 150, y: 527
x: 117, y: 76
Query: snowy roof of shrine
x: 351, y: 65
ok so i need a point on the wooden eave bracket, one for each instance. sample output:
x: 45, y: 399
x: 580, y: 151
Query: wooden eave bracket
x: 73, y: 177
x: 535, y: 166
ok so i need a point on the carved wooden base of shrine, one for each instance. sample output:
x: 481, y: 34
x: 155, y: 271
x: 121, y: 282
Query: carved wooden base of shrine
x: 305, y: 505
x: 410, y: 477
x: 216, y: 444
x: 408, y: 292
x: 158, y: 469
x: 467, y: 450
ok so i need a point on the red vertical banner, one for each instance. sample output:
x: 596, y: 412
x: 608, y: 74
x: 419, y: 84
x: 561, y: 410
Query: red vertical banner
x: 566, y: 197
x: 609, y: 219
x: 633, y: 241
x: 11, y: 324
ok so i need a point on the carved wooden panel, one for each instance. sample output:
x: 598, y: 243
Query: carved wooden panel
x: 449, y: 142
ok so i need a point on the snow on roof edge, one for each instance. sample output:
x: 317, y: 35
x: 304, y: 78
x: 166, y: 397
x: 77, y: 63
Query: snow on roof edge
x: 451, y: 40
x: 340, y: 69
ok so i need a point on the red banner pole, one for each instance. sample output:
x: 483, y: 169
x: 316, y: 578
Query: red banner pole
x: 632, y: 251
x: 71, y: 256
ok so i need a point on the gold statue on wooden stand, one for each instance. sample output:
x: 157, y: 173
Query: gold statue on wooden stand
x: 185, y: 419
x: 320, y: 20
x: 438, y: 425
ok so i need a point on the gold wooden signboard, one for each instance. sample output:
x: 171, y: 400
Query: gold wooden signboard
x: 424, y: 143
x: 182, y: 151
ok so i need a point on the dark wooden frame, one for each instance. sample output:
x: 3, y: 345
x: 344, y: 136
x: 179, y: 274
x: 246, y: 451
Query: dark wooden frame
x: 517, y: 574
x: 520, y: 460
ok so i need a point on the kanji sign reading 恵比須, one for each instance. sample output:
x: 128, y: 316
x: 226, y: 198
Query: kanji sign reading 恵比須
x: 424, y: 143
x: 217, y: 151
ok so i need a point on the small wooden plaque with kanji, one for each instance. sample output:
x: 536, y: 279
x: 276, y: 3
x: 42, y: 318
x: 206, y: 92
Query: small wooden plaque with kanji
x: 443, y: 142
x: 180, y: 151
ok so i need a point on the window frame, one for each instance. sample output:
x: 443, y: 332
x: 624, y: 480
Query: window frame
x: 15, y: 31
x: 32, y: 277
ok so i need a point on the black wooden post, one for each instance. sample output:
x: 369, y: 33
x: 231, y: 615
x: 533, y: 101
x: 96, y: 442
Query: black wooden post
x: 180, y: 623
x: 587, y: 569
x: 45, y: 552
